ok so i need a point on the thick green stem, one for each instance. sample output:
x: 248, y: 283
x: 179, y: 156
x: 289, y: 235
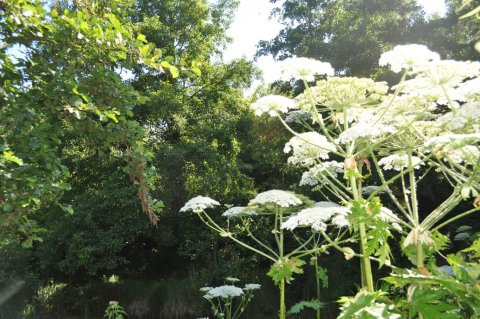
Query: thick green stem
x: 283, y: 310
x: 318, y: 283
x: 414, y: 203
x: 365, y: 265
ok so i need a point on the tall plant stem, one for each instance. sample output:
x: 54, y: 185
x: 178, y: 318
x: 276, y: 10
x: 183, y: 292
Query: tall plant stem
x: 365, y: 265
x: 413, y: 200
x: 283, y: 311
x: 317, y: 282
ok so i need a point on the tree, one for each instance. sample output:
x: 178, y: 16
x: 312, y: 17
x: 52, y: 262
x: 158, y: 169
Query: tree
x: 65, y: 84
x: 351, y: 34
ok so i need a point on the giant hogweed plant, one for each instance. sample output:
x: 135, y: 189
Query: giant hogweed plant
x: 275, y: 206
x: 354, y: 128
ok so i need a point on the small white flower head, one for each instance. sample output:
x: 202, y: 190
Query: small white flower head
x: 468, y: 154
x: 206, y: 289
x: 407, y: 57
x: 199, y: 204
x: 238, y: 211
x: 452, y: 140
x: 319, y: 173
x: 318, y: 216
x: 457, y: 148
x: 398, y: 162
x: 278, y: 197
x: 365, y: 130
x: 342, y: 93
x: 464, y: 118
x: 304, y: 69
x: 307, y: 148
x: 224, y: 292
x: 252, y: 287
x: 232, y: 279
x: 273, y: 104
x: 448, y: 73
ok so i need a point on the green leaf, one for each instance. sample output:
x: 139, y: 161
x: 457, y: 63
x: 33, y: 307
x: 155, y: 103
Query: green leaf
x: 67, y: 208
x: 284, y: 269
x: 7, y: 208
x: 197, y: 71
x: 84, y: 97
x: 141, y: 37
x: 174, y: 71
x: 300, y: 306
x: 114, y: 21
x: 8, y: 155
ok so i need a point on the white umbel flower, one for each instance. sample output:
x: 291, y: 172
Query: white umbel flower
x: 238, y: 211
x: 465, y: 117
x: 318, y: 173
x: 278, y: 197
x: 199, y: 204
x: 273, y: 104
x: 304, y: 69
x: 252, y: 287
x: 448, y: 73
x: 308, y: 147
x: 224, y: 292
x: 318, y: 216
x: 452, y: 140
x: 366, y: 131
x: 407, y: 56
x: 468, y: 154
x: 398, y: 162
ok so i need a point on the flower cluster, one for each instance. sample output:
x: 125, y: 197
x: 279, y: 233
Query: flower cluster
x: 272, y: 104
x: 252, y: 287
x: 365, y: 130
x: 318, y: 216
x: 238, y: 211
x: 199, y: 204
x: 307, y: 148
x: 318, y: 173
x: 407, y: 57
x: 224, y: 292
x: 277, y: 197
x: 304, y: 69
x: 398, y: 162
x: 341, y: 93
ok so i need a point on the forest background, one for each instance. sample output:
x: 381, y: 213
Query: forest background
x: 95, y: 168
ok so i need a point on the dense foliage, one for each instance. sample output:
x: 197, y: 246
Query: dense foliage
x: 113, y: 109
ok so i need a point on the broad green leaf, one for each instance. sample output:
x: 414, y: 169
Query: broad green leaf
x: 8, y: 155
x: 174, y: 71
x: 304, y: 304
x: 141, y: 37
x: 284, y: 269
